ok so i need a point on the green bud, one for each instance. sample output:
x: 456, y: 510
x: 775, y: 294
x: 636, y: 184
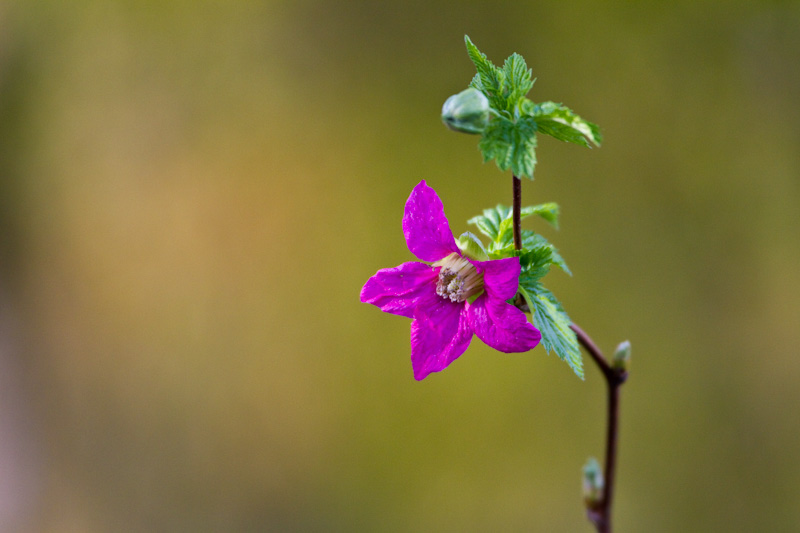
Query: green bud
x: 622, y: 356
x: 467, y: 111
x: 593, y: 483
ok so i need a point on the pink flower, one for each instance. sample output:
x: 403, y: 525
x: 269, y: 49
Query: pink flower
x: 453, y: 297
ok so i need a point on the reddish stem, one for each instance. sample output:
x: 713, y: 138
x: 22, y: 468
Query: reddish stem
x: 516, y: 212
x: 600, y: 514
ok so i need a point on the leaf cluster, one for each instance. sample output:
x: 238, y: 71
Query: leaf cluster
x: 510, y: 137
x: 536, y: 257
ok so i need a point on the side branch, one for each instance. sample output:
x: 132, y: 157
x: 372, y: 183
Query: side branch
x: 599, y: 513
x: 592, y: 349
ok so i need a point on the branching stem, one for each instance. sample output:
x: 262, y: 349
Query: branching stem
x: 599, y: 513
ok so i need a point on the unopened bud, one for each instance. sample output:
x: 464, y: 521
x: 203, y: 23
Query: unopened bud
x: 467, y: 111
x: 593, y: 483
x: 622, y: 356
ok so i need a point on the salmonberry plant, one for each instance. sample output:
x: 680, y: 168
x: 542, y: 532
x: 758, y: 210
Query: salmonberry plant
x: 494, y: 289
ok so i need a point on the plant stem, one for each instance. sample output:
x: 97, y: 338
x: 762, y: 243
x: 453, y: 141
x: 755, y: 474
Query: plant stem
x: 519, y: 301
x: 600, y: 513
x: 517, y: 209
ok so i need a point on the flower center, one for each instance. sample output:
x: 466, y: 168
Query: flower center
x: 458, y: 278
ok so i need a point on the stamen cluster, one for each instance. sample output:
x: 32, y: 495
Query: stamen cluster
x: 458, y: 279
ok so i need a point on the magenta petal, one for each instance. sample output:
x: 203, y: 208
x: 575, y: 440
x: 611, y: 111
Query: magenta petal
x: 397, y: 290
x: 440, y: 333
x: 500, y: 277
x: 502, y: 326
x: 425, y: 227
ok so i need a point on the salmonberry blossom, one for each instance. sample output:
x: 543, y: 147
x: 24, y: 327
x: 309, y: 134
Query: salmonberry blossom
x: 453, y: 297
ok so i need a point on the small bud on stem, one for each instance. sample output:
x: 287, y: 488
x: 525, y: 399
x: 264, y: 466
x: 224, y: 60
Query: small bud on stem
x: 622, y: 357
x: 593, y: 484
x: 467, y: 111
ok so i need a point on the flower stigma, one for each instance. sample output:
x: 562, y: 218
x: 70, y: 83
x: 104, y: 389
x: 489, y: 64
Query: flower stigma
x: 458, y: 278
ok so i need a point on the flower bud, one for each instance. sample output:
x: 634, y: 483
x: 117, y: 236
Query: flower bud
x: 467, y: 111
x: 593, y: 483
x: 622, y: 356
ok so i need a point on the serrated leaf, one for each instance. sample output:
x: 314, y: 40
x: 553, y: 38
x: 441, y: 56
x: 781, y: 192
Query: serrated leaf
x: 559, y: 261
x: 531, y: 240
x: 504, y: 247
x: 501, y: 252
x: 512, y: 145
x: 518, y: 79
x: 527, y: 107
x: 471, y: 246
x: 510, y: 137
x: 562, y: 123
x: 561, y: 131
x: 489, y: 222
x: 552, y: 321
x: 489, y: 77
x: 505, y: 232
x: 548, y: 211
x: 476, y: 83
x: 496, y: 142
x: 489, y: 74
x: 536, y: 250
x: 524, y: 148
x: 497, y: 224
x: 535, y: 262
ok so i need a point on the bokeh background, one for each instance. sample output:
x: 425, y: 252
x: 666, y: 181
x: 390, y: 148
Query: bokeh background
x: 193, y: 193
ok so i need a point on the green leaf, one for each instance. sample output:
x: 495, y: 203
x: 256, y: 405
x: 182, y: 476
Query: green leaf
x: 535, y: 262
x: 504, y: 247
x: 518, y: 80
x: 562, y: 123
x: 531, y: 240
x: 504, y: 87
x: 496, y: 142
x: 510, y: 137
x: 497, y: 223
x: 489, y: 222
x: 536, y: 253
x: 548, y: 211
x: 550, y: 318
x: 489, y: 79
x: 562, y: 132
x: 505, y: 233
x: 523, y: 157
x: 559, y: 261
x: 471, y: 246
x: 476, y: 83
x: 512, y: 145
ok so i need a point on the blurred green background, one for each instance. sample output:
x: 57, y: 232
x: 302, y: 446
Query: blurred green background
x: 193, y: 193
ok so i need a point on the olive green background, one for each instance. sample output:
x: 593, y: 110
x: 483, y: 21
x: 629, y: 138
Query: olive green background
x: 193, y: 193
